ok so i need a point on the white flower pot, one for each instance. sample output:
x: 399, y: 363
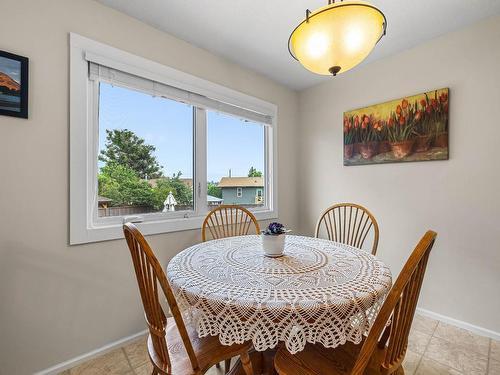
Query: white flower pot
x: 273, y: 244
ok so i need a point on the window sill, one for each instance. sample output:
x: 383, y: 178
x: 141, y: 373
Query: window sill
x: 115, y: 231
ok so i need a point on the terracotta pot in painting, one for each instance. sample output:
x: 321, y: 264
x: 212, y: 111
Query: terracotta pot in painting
x: 356, y: 147
x: 441, y: 140
x: 383, y: 147
x: 423, y: 143
x: 348, y: 151
x: 368, y: 150
x: 402, y: 149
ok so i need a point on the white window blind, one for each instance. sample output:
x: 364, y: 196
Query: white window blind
x: 120, y: 78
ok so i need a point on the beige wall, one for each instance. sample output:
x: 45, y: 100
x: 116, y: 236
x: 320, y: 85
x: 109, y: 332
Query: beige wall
x: 58, y: 302
x: 458, y: 198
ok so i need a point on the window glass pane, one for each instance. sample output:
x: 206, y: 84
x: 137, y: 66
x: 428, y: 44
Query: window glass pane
x: 145, y: 153
x: 235, y: 165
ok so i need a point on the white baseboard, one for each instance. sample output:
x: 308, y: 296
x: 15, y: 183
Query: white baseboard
x: 459, y: 323
x: 54, y: 370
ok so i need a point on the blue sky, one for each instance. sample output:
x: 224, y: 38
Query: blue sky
x: 232, y: 143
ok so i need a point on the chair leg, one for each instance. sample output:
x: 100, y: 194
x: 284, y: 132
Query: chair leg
x: 227, y: 365
x: 155, y: 372
x: 247, y: 364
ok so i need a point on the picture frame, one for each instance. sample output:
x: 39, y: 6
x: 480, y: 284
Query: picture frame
x: 13, y: 85
x: 409, y: 129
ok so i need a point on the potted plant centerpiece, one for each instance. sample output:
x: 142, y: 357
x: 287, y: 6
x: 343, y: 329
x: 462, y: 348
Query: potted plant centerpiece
x: 273, y: 240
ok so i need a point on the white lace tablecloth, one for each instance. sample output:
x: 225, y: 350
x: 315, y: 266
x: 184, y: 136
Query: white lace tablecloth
x: 318, y: 292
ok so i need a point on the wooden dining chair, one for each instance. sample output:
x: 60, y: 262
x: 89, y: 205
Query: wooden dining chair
x: 228, y: 220
x: 348, y: 223
x: 173, y: 347
x: 383, y: 351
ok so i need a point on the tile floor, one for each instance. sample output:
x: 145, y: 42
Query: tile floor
x: 434, y: 348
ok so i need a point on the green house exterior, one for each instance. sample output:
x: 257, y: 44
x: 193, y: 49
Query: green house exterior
x: 243, y: 191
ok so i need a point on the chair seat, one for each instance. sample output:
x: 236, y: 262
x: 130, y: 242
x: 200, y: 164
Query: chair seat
x: 318, y: 360
x: 208, y: 350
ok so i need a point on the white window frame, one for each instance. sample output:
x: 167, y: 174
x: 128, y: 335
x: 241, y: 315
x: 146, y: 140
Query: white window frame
x: 85, y: 226
x: 239, y: 192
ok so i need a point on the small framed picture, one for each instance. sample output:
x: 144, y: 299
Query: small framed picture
x: 13, y: 85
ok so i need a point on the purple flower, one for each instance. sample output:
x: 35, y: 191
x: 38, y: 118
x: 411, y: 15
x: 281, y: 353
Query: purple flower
x: 275, y: 228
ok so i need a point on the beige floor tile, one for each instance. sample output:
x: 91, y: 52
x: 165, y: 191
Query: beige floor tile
x: 418, y: 341
x: 112, y: 363
x: 410, y: 362
x: 145, y: 369
x: 429, y: 367
x: 475, y: 342
x: 424, y: 324
x: 216, y: 371
x: 137, y: 352
x: 457, y: 356
x: 495, y: 350
x: 494, y: 368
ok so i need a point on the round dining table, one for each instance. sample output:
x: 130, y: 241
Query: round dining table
x: 319, y: 291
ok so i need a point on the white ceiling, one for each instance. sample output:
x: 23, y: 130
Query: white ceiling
x: 254, y: 33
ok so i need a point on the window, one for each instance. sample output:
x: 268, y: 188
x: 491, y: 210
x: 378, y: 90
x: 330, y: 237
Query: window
x: 235, y: 158
x: 159, y: 147
x: 145, y: 159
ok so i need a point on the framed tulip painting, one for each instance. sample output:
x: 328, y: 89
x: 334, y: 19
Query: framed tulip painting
x: 414, y: 128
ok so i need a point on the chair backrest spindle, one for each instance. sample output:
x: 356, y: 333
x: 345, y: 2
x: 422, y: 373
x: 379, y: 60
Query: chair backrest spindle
x: 348, y: 223
x: 228, y: 221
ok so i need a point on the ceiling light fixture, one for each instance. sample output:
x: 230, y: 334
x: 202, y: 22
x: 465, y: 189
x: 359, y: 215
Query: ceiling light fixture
x: 337, y: 37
